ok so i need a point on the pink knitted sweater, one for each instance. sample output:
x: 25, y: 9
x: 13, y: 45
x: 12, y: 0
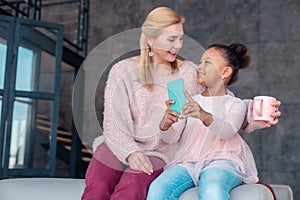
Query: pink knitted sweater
x: 132, y: 113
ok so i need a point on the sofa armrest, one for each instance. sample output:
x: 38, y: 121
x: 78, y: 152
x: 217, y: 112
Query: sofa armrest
x: 282, y: 191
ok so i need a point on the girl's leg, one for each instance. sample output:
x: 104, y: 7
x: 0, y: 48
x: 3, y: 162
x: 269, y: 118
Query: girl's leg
x: 216, y: 184
x: 134, y: 185
x: 103, y: 174
x: 170, y: 184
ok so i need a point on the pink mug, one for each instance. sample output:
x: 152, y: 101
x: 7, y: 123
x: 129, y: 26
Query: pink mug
x: 262, y: 108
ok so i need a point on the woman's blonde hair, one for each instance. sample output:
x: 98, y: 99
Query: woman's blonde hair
x: 156, y: 20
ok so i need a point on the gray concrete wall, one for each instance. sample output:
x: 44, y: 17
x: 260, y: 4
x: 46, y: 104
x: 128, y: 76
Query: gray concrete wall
x: 271, y: 31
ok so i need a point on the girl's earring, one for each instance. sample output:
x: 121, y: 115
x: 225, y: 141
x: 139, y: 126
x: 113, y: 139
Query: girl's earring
x: 150, y: 52
x: 223, y: 74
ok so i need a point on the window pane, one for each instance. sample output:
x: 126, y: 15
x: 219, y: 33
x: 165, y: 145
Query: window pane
x: 25, y: 70
x: 36, y: 60
x: 3, y: 49
x: 30, y: 134
x: 0, y: 107
x: 47, y: 73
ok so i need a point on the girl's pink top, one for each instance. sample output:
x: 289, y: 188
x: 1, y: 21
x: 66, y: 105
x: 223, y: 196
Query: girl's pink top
x: 220, y: 140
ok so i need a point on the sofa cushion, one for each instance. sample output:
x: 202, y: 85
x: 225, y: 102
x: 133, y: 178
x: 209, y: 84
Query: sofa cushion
x: 245, y: 192
x: 41, y: 189
x: 249, y: 192
x: 71, y: 189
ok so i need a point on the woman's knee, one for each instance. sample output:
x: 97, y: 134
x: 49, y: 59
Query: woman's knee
x: 100, y: 180
x: 97, y: 172
x: 104, y: 155
x: 132, y: 185
x: 97, y: 191
x: 157, y: 163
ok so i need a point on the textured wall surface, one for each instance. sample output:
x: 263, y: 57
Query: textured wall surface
x: 271, y: 31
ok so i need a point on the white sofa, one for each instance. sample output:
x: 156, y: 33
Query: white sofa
x: 71, y: 189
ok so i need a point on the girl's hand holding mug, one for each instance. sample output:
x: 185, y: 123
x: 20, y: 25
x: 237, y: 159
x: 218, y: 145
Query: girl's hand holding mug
x: 265, y: 110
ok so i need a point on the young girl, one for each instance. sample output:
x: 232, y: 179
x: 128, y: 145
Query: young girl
x: 212, y: 154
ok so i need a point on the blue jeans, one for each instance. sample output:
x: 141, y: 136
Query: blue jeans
x: 215, y: 184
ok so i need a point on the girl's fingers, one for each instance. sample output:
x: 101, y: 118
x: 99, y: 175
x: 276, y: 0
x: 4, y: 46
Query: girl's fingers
x: 276, y: 114
x: 275, y: 121
x: 168, y: 103
x: 172, y: 119
x: 277, y: 104
x: 173, y: 113
x: 190, y: 112
x: 188, y: 106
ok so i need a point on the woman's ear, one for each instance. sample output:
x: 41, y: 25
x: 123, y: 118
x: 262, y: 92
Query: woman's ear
x: 149, y: 41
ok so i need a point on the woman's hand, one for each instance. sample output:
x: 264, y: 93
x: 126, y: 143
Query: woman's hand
x: 140, y: 162
x: 170, y: 117
x: 193, y: 109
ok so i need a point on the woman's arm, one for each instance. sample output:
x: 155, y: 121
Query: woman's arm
x: 118, y: 123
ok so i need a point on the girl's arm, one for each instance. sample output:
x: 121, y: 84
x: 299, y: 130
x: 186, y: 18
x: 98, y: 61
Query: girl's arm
x: 250, y: 125
x: 228, y: 125
x: 223, y: 125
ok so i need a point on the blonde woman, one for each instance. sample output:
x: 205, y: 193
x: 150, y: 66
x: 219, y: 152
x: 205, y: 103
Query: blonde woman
x: 131, y: 152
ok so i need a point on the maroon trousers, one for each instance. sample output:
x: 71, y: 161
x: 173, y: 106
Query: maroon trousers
x: 107, y: 179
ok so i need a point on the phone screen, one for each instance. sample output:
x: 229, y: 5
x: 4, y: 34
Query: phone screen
x: 176, y: 94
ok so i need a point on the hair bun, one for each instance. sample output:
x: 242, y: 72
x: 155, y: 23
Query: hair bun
x: 242, y: 52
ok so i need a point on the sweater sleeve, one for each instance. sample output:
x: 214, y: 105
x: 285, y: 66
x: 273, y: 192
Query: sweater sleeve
x: 251, y: 125
x: 227, y: 126
x: 118, y: 123
x: 173, y: 134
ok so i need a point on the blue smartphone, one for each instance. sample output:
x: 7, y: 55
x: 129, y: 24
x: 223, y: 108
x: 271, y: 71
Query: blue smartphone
x: 176, y: 94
